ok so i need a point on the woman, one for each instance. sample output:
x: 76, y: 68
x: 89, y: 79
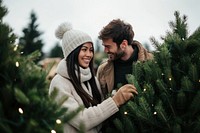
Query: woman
x: 76, y: 79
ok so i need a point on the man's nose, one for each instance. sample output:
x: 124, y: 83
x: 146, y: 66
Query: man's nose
x: 105, y: 49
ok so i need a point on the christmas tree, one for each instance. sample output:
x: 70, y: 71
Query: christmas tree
x: 31, y: 39
x: 56, y: 51
x: 168, y: 86
x: 25, y: 106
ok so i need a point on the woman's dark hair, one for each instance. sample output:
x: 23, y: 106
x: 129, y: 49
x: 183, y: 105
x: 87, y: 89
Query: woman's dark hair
x: 72, y: 64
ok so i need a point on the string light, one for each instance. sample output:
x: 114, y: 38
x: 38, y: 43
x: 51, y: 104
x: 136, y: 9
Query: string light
x: 53, y: 131
x: 15, y: 48
x: 21, y: 52
x: 17, y: 64
x: 199, y: 80
x: 170, y: 79
x: 20, y: 111
x: 155, y: 113
x: 144, y: 89
x: 125, y: 113
x: 58, y: 121
x: 162, y: 74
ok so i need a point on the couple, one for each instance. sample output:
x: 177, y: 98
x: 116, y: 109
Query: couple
x: 76, y: 78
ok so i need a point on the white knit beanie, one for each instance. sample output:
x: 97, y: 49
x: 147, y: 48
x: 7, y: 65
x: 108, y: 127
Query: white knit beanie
x: 71, y: 38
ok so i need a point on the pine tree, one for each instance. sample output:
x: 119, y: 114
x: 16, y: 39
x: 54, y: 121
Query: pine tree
x: 168, y: 86
x: 31, y: 40
x: 25, y: 106
x: 56, y: 51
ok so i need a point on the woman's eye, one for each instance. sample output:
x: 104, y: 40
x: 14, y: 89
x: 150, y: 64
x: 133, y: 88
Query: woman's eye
x: 84, y: 49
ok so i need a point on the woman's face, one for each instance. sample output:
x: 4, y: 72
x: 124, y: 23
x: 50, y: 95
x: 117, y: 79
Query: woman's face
x: 86, y: 54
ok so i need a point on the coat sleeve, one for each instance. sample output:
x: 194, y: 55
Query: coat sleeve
x: 90, y: 117
x: 101, y: 71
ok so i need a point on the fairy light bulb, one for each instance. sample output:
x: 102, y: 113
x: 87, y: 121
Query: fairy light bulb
x: 53, y: 131
x: 155, y: 113
x: 15, y: 48
x: 170, y: 79
x: 125, y: 113
x: 144, y: 89
x: 17, y: 64
x: 58, y: 121
x: 20, y: 111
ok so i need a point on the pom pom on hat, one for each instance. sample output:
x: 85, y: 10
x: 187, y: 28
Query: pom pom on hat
x: 62, y: 29
x: 71, y: 38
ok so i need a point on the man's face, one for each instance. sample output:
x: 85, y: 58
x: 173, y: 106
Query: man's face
x: 112, y: 50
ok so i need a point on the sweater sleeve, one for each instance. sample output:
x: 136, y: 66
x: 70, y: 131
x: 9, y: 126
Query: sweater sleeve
x: 90, y: 117
x: 93, y: 116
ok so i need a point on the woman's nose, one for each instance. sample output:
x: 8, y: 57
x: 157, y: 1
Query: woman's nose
x: 89, y: 53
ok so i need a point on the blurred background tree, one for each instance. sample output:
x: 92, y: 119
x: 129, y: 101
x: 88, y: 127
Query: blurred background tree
x: 56, y: 51
x: 99, y: 55
x: 30, y: 41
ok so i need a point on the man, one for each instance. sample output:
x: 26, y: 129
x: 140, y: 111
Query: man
x: 123, y: 51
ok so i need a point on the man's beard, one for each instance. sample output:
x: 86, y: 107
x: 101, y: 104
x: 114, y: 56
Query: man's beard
x: 116, y: 56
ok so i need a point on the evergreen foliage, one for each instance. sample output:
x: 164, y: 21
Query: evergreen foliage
x: 56, y: 51
x: 31, y: 41
x: 168, y: 86
x: 25, y: 106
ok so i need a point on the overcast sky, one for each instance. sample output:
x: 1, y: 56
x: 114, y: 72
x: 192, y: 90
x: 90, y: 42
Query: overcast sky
x: 148, y: 17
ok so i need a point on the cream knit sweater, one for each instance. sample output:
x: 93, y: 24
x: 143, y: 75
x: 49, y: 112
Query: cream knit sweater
x: 91, y: 117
